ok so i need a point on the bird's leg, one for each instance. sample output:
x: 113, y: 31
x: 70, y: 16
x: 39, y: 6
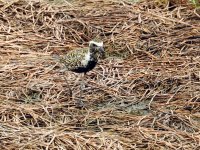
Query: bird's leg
x: 68, y: 86
x: 80, y: 103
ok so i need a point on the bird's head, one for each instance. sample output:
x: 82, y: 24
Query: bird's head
x: 97, y: 49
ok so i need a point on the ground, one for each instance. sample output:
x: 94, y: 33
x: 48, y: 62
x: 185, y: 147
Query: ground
x: 144, y: 95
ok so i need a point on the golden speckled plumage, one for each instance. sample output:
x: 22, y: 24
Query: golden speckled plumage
x: 73, y: 59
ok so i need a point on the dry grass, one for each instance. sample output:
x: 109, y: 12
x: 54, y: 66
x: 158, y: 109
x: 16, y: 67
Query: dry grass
x: 145, y: 95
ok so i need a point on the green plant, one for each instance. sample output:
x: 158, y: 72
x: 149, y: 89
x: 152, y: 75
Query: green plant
x: 195, y: 3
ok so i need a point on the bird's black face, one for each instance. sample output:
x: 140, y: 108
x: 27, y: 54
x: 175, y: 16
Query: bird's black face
x: 101, y: 52
x: 97, y: 50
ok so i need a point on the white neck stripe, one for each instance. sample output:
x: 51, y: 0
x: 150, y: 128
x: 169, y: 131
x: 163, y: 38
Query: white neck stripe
x: 100, y: 44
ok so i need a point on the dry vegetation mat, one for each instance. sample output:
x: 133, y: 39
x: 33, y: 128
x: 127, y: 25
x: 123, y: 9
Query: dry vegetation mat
x: 144, y: 95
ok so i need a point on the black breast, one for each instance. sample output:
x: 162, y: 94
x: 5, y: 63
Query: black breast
x: 90, y: 66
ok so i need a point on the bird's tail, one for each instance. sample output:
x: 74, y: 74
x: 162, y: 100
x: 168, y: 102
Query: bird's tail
x: 60, y: 59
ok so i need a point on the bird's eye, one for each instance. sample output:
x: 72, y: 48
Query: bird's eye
x: 93, y: 45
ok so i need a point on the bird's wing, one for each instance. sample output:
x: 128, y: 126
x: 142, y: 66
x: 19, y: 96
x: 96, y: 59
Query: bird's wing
x: 72, y: 60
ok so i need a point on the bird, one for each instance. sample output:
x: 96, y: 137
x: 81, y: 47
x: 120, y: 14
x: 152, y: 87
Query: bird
x: 83, y: 60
